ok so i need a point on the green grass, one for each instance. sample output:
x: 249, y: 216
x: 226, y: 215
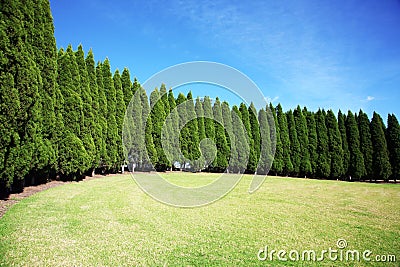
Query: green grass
x: 111, y: 222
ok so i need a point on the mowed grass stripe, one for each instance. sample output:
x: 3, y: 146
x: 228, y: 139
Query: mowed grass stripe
x: 111, y: 222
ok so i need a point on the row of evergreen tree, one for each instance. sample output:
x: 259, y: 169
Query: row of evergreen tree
x: 62, y: 115
x: 307, y: 144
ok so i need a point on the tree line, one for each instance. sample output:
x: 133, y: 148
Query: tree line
x: 62, y: 116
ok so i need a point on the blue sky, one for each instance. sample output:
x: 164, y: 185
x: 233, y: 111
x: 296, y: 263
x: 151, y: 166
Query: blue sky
x: 330, y: 54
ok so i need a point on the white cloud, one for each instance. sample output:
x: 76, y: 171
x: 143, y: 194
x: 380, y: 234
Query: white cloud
x: 271, y: 100
x: 369, y: 98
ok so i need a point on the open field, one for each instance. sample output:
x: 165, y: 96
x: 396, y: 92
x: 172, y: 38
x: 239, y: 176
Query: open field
x: 111, y: 222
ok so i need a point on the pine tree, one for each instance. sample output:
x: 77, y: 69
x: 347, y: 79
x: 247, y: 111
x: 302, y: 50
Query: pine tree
x: 365, y: 143
x: 265, y: 153
x: 120, y: 113
x: 312, y: 140
x: 241, y: 144
x: 112, y: 127
x: 209, y: 146
x: 201, y: 131
x: 302, y: 136
x: 356, y: 163
x: 45, y: 53
x: 157, y: 115
x: 277, y: 164
x: 255, y: 136
x: 335, y: 145
x: 88, y: 122
x: 380, y: 156
x: 221, y: 162
x: 229, y: 135
x: 393, y: 143
x: 346, y: 152
x: 294, y: 144
x: 102, y: 116
x: 247, y: 126
x: 96, y: 130
x: 73, y: 159
x: 19, y: 70
x: 167, y: 131
x: 151, y: 152
x: 126, y: 86
x: 323, y: 163
x: 175, y: 127
x: 284, y: 133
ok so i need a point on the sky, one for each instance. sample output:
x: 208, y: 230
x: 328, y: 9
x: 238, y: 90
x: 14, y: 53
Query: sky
x: 320, y: 54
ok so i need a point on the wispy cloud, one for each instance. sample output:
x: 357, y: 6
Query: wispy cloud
x: 271, y: 100
x: 368, y: 99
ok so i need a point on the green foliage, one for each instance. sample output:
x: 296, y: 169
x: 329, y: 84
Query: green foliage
x: 256, y: 139
x: 356, y: 163
x: 284, y: 134
x: 158, y: 116
x: 277, y: 164
x: 294, y: 144
x: 366, y: 143
x: 127, y: 87
x: 266, y: 159
x: 323, y: 163
x: 241, y: 154
x: 393, y: 144
x: 302, y: 136
x: 120, y: 113
x: 96, y: 127
x: 345, y: 146
x: 112, y: 137
x: 221, y: 161
x: 335, y: 145
x: 380, y: 156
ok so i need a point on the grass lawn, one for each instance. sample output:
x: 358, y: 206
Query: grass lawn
x: 111, y: 222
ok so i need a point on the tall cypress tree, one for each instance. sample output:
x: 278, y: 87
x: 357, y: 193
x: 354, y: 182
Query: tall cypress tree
x: 323, y: 164
x: 45, y: 53
x: 126, y: 86
x: 157, y: 115
x: 73, y: 159
x: 343, y: 133
x: 277, y: 165
x: 380, y: 156
x: 312, y: 140
x: 294, y: 144
x: 393, y: 143
x: 112, y: 127
x: 335, y: 145
x: 221, y: 161
x: 201, y: 130
x: 302, y: 136
x: 88, y: 122
x: 175, y: 127
x: 246, y: 123
x: 120, y: 113
x: 96, y: 129
x: 284, y: 132
x: 241, y: 144
x: 365, y: 143
x: 230, y: 138
x: 356, y: 164
x: 255, y: 136
x: 102, y: 115
x: 265, y: 152
x: 208, y: 148
x: 167, y: 131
